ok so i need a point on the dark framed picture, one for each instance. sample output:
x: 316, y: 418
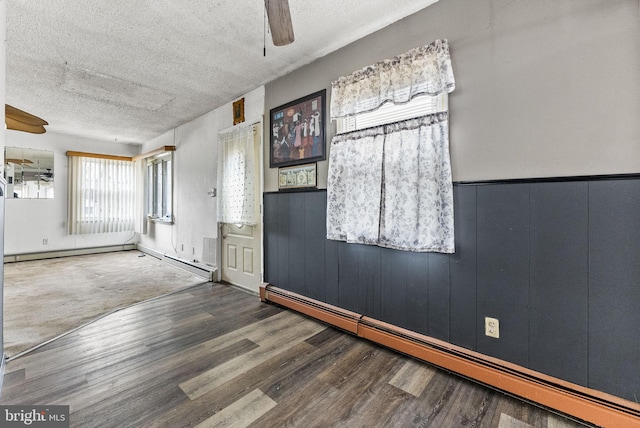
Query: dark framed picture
x: 297, y: 131
x: 238, y: 111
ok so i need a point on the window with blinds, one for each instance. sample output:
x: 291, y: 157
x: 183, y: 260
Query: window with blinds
x: 389, y: 113
x: 159, y: 188
x: 101, y: 195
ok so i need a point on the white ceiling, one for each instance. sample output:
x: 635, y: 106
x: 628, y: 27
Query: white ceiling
x: 130, y: 70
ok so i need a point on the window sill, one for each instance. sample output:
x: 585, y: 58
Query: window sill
x: 159, y: 220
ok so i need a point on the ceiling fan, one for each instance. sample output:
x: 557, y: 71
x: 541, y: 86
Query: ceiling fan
x: 279, y: 21
x: 20, y: 120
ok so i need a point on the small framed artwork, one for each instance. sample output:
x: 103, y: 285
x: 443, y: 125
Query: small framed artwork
x: 238, y: 111
x: 297, y: 131
x: 297, y: 177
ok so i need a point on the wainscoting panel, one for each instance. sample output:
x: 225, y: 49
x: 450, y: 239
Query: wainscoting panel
x: 462, y: 270
x: 559, y: 279
x: 271, y: 242
x: 332, y: 263
x: 349, y: 278
x: 614, y: 287
x: 369, y: 263
x: 314, y: 255
x: 393, y: 292
x: 439, y: 296
x: 503, y: 270
x: 283, y: 230
x: 555, y: 260
x: 297, y: 245
x: 418, y: 307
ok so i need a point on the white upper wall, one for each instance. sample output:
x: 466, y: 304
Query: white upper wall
x: 195, y: 173
x: 29, y: 221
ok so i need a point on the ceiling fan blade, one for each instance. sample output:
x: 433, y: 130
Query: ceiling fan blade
x: 18, y: 161
x: 279, y: 21
x: 20, y: 120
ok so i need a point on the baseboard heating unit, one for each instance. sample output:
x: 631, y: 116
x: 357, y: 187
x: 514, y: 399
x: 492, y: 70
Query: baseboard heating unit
x: 12, y: 258
x: 205, y: 271
x: 573, y: 400
x: 193, y: 267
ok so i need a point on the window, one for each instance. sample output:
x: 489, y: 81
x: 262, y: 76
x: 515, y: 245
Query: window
x: 389, y: 179
x: 101, y: 195
x: 159, y: 188
x: 389, y: 112
x: 236, y: 171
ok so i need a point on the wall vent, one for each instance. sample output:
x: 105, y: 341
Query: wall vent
x: 210, y: 252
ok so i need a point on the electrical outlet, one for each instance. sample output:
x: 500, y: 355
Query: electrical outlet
x: 45, y: 241
x: 492, y: 327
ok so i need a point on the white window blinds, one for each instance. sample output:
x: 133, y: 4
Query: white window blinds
x: 101, y: 195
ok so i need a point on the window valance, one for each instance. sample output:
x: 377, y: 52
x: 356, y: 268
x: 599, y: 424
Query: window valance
x: 422, y: 70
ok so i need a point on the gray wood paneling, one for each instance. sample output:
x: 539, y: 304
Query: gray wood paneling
x: 559, y: 279
x: 369, y: 280
x: 614, y: 287
x: 556, y: 262
x: 394, y: 287
x: 462, y: 267
x: 332, y: 271
x: 297, y: 244
x: 439, y: 296
x: 283, y: 234
x: 270, y: 204
x: 314, y: 240
x: 349, y: 276
x: 503, y: 269
x: 418, y: 292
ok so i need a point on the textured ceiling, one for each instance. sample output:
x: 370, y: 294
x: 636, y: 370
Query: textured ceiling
x: 130, y: 70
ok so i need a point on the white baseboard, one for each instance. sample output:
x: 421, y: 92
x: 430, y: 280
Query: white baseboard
x: 205, y: 271
x: 11, y: 258
x: 150, y: 251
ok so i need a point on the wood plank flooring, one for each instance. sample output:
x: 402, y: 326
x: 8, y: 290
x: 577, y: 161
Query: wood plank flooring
x: 214, y: 356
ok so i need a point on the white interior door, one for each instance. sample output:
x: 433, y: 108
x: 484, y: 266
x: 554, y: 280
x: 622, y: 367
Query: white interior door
x: 241, y: 244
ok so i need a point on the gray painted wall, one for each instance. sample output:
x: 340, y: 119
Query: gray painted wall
x: 543, y: 88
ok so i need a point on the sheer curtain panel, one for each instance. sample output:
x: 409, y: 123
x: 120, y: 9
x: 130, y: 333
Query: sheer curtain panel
x: 390, y: 185
x: 101, y: 195
x: 236, y: 166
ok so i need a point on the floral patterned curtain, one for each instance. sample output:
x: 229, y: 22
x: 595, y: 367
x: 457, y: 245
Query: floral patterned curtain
x: 424, y: 70
x: 236, y: 176
x: 391, y: 185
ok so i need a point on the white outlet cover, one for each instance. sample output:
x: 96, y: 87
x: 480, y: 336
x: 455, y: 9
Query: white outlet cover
x: 492, y: 327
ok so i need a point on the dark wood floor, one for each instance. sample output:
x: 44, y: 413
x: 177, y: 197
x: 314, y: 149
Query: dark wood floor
x: 216, y: 356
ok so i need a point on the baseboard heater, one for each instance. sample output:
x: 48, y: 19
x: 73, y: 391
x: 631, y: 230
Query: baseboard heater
x: 12, y: 258
x: 195, y: 268
x: 585, y: 404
